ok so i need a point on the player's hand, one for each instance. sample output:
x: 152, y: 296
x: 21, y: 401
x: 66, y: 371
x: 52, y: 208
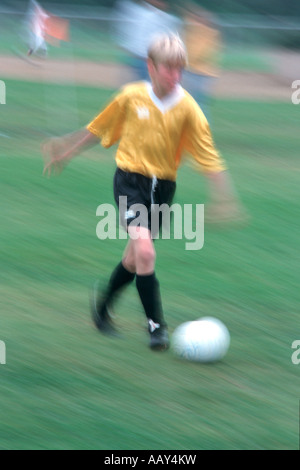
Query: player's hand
x: 226, y: 214
x: 54, y: 153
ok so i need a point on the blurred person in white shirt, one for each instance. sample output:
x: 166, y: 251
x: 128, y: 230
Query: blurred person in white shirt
x: 136, y: 24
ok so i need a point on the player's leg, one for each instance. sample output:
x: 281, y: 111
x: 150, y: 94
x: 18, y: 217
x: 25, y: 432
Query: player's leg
x: 148, y: 286
x: 102, y: 300
x: 128, y: 259
x: 123, y: 274
x: 138, y: 260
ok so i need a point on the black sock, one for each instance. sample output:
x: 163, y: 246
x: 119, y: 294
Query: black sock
x: 149, y: 292
x: 119, y: 278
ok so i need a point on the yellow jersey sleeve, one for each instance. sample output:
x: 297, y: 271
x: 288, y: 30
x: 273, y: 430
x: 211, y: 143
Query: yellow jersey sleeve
x: 198, y: 141
x: 109, y: 123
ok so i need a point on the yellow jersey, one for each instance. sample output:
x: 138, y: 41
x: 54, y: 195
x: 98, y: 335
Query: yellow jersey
x: 153, y: 134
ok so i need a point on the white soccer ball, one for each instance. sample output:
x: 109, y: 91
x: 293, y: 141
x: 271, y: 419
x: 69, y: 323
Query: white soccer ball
x: 203, y: 340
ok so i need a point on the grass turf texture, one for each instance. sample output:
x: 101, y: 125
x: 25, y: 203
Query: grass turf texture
x: 64, y: 385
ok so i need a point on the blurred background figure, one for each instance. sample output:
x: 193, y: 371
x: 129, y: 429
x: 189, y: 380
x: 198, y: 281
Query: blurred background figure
x: 41, y: 28
x: 36, y: 24
x: 137, y: 23
x: 203, y: 42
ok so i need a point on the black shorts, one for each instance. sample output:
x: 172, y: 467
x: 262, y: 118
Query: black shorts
x: 138, y: 197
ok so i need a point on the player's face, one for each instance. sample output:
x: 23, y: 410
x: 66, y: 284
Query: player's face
x: 164, y: 77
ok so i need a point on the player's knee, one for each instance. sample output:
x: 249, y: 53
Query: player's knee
x: 146, y: 257
x: 129, y: 263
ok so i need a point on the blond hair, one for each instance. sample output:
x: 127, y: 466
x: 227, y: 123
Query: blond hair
x: 167, y: 48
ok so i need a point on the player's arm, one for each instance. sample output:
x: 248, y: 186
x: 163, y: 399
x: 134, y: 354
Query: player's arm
x: 59, y: 150
x: 106, y: 127
x: 224, y: 205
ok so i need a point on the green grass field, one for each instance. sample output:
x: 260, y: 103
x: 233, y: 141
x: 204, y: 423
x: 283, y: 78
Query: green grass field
x: 64, y: 386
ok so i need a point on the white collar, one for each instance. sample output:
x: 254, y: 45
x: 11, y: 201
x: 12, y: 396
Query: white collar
x: 169, y: 101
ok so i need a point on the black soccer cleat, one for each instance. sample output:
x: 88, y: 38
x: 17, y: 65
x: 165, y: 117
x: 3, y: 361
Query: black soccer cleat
x: 100, y: 314
x: 159, y: 337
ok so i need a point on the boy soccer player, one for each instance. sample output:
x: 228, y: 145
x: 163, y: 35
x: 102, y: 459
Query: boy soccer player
x: 153, y: 123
